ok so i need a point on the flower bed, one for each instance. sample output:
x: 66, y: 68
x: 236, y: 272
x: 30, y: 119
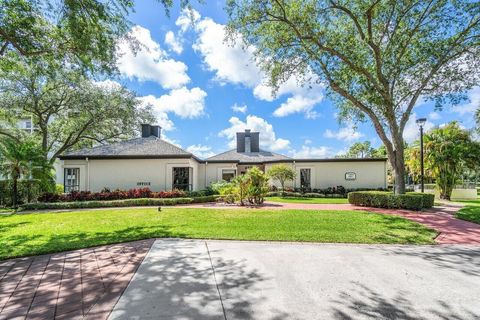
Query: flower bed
x: 378, y: 199
x: 117, y: 203
x: 106, y: 195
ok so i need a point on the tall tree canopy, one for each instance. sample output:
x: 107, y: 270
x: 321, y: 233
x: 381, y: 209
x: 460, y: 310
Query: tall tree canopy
x: 360, y: 150
x: 68, y: 110
x: 81, y: 31
x: 377, y: 57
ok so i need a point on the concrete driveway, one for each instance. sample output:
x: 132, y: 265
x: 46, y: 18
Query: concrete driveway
x: 196, y: 279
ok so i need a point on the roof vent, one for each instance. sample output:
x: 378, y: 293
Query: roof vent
x: 149, y: 130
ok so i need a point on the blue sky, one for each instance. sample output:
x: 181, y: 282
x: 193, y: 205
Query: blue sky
x: 203, y: 91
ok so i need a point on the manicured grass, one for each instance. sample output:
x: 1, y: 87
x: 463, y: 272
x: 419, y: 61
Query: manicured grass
x: 306, y: 200
x: 469, y: 202
x: 470, y: 213
x: 32, y: 234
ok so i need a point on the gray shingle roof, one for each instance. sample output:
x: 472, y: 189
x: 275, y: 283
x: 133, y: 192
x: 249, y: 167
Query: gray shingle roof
x: 138, y: 147
x: 249, y: 157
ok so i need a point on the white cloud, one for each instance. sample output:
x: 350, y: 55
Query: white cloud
x: 412, y: 131
x: 231, y: 64
x: 307, y: 141
x: 183, y: 102
x: 298, y: 104
x: 150, y: 62
x: 472, y: 105
x: 236, y: 64
x: 201, y: 151
x: 434, y: 116
x: 173, y: 43
x: 268, y: 138
x: 187, y: 18
x: 348, y: 134
x: 239, y: 108
x: 307, y: 152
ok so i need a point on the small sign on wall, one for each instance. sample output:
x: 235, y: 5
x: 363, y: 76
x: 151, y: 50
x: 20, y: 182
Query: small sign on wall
x: 143, y: 184
x: 350, y: 176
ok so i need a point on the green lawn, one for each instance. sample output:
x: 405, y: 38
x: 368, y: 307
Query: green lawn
x: 469, y: 202
x: 32, y: 234
x: 471, y: 212
x: 306, y: 200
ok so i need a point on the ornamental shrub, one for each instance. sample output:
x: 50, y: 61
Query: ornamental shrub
x: 379, y: 199
x: 428, y: 198
x: 116, y: 203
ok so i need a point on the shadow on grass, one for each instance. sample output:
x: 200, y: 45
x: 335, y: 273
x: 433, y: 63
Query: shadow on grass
x: 403, y: 231
x: 28, y: 245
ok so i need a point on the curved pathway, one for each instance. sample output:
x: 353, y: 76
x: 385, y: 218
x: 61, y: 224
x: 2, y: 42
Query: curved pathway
x: 440, y: 218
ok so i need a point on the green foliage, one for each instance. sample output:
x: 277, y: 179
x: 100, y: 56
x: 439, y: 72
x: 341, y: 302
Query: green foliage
x: 83, y: 32
x: 282, y: 173
x: 360, y: 150
x: 24, y: 161
x: 68, y: 110
x: 378, y: 58
x: 117, y: 203
x: 306, y: 200
x: 251, y: 187
x: 428, y: 198
x: 379, y: 199
x: 257, y: 185
x: 449, y: 151
x: 59, y: 188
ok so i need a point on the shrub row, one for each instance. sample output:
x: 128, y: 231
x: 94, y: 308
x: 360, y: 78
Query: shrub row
x: 117, y: 203
x: 334, y: 192
x: 378, y: 199
x: 303, y: 195
x: 110, y: 195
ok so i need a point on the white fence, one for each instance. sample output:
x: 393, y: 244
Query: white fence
x: 465, y: 191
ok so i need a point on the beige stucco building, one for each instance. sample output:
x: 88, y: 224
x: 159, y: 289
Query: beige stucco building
x: 151, y: 162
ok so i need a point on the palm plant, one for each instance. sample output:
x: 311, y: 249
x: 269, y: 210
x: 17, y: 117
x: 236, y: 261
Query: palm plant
x: 23, y: 160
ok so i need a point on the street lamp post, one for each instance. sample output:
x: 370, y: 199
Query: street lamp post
x: 421, y: 123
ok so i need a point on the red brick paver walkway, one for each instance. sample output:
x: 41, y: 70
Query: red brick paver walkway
x: 442, y: 219
x: 70, y: 285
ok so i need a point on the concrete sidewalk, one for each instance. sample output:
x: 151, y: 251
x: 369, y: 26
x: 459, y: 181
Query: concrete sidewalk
x: 197, y: 279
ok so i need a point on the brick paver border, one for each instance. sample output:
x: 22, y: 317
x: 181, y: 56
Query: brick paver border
x: 78, y: 284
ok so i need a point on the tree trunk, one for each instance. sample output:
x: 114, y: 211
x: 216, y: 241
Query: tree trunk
x: 398, y: 165
x: 14, y: 193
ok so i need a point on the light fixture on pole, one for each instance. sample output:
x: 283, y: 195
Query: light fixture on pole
x: 421, y: 122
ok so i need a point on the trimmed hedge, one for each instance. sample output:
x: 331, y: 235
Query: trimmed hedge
x: 303, y: 195
x: 428, y: 198
x: 379, y: 199
x: 117, y: 203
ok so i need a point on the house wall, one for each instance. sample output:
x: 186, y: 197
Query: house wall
x: 371, y: 174
x: 126, y: 173
x: 213, y: 171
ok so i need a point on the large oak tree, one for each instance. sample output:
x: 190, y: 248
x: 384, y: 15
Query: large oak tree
x: 68, y: 110
x: 378, y: 58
